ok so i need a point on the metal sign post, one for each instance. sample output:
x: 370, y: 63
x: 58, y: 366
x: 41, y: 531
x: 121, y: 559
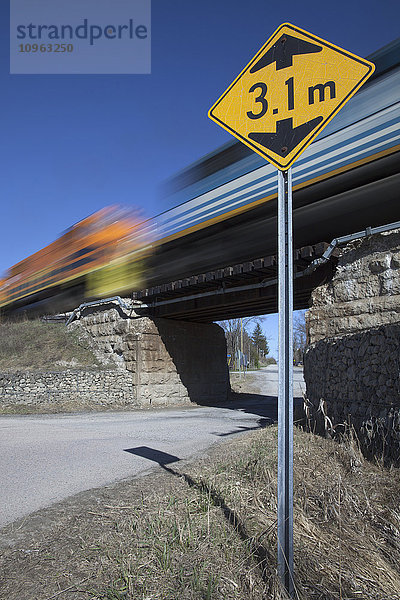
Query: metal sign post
x: 285, y: 378
x: 277, y: 105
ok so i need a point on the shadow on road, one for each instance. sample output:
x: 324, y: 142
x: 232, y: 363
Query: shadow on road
x: 265, y: 407
x: 162, y: 458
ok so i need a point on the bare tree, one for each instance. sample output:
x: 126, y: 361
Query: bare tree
x: 233, y: 331
x: 299, y: 337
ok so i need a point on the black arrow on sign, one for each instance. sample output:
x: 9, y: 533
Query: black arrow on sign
x: 282, y: 52
x: 286, y: 137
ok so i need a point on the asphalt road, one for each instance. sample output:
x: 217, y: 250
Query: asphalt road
x: 265, y: 381
x: 46, y: 458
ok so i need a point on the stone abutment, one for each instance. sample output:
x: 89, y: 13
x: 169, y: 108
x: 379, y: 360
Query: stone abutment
x: 352, y: 364
x: 169, y: 362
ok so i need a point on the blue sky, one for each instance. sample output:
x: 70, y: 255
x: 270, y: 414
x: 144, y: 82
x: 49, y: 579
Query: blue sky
x: 72, y: 144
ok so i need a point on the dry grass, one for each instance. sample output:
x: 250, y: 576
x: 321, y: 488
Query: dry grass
x: 33, y: 345
x: 240, y: 384
x: 205, y: 530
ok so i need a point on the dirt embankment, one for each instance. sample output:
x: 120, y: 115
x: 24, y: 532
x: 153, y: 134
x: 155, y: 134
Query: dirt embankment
x: 31, y: 345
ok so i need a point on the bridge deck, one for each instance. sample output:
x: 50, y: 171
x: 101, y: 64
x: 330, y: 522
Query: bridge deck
x: 247, y: 288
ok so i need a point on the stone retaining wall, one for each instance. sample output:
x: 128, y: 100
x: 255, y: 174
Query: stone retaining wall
x: 355, y: 380
x: 352, y: 364
x: 109, y: 388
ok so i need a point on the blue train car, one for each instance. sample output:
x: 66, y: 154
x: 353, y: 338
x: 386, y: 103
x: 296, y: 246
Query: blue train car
x: 347, y: 179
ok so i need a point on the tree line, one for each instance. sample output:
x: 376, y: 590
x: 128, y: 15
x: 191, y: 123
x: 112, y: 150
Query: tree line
x: 246, y: 343
x: 248, y: 346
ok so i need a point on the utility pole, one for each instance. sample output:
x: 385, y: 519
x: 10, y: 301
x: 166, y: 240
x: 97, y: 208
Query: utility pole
x: 241, y: 343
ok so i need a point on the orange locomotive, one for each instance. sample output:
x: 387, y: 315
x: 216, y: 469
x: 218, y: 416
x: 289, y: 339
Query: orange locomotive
x: 100, y: 255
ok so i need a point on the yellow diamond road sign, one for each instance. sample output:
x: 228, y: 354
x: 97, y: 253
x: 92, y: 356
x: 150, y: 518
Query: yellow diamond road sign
x: 288, y: 92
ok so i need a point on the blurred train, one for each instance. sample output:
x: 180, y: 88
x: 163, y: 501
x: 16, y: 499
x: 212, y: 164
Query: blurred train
x: 92, y: 259
x: 225, y: 208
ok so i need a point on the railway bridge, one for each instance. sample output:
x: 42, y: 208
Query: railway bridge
x: 212, y: 255
x: 216, y: 255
